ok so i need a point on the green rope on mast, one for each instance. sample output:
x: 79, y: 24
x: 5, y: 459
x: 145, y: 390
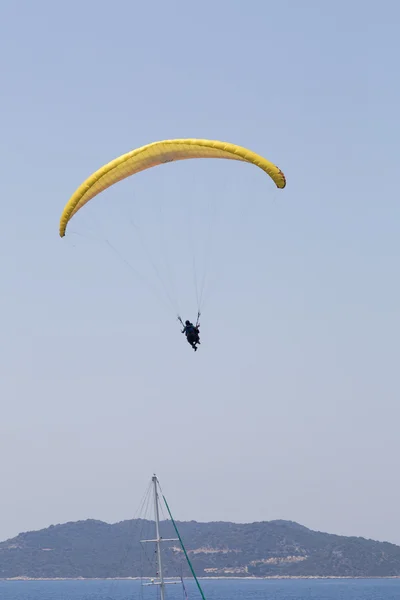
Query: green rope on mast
x: 184, y: 550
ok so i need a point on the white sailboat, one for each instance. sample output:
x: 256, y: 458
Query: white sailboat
x: 159, y: 579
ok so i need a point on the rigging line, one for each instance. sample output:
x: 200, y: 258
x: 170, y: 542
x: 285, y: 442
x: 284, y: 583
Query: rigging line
x: 148, y: 498
x: 166, y: 521
x: 146, y: 250
x: 86, y: 236
x: 104, y: 239
x: 91, y: 226
x: 184, y: 550
x: 172, y: 291
x: 195, y: 282
x: 209, y: 242
x: 125, y: 260
x: 144, y: 498
x: 218, y: 207
x: 185, y: 594
x: 190, y: 232
x: 145, y: 508
x: 136, y: 272
x: 122, y: 564
x: 144, y: 245
x: 167, y: 255
x: 136, y: 525
x: 150, y: 560
x: 92, y: 236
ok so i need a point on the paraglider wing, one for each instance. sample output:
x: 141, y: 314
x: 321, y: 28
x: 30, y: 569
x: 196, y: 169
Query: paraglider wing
x: 155, y: 154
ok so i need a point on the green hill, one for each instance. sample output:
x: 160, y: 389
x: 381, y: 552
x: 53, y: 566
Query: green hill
x: 96, y: 549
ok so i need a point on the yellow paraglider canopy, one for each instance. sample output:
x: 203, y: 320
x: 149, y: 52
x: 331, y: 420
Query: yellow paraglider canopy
x: 155, y: 154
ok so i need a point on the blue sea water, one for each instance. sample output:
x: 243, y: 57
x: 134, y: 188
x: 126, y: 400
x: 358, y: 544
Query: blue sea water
x: 306, y: 589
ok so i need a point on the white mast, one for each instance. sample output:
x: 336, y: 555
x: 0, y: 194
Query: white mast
x: 157, y: 515
x: 158, y: 541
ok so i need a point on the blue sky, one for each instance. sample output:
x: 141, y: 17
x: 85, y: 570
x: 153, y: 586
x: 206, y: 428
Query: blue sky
x: 290, y: 407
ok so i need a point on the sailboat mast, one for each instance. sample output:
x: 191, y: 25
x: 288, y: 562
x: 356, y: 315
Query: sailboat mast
x: 158, y: 539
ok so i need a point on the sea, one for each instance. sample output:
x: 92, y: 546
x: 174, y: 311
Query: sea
x: 230, y: 589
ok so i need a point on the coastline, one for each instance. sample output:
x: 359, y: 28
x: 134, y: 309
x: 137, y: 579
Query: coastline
x: 22, y: 578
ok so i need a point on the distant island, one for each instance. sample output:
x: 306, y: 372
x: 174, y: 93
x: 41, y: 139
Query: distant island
x: 94, y: 549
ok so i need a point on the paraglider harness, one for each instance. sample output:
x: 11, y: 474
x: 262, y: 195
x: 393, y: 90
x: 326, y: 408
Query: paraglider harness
x: 192, y: 336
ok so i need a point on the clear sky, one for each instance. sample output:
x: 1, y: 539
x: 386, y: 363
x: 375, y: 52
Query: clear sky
x: 290, y: 409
